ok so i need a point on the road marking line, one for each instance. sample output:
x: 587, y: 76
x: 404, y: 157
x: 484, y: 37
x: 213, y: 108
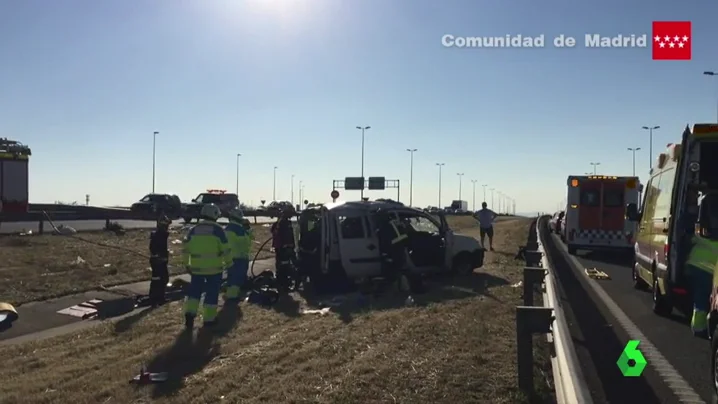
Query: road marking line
x: 678, y: 385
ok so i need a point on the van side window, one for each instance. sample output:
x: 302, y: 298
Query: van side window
x: 663, y: 199
x: 351, y: 227
x: 649, y: 201
x: 590, y: 197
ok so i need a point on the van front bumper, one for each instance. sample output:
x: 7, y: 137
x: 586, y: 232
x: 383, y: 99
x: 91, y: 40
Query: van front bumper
x: 477, y: 258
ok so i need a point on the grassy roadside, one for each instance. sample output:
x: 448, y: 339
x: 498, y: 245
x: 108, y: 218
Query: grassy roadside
x: 456, y: 344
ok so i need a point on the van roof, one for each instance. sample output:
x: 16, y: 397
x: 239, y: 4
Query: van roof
x: 367, y: 206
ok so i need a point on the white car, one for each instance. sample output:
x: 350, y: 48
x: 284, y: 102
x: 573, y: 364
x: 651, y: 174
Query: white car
x: 349, y: 248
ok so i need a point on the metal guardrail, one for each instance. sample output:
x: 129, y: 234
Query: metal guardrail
x: 570, y: 384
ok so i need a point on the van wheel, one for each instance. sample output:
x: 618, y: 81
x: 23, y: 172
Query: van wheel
x: 571, y: 250
x: 661, y: 305
x: 462, y: 265
x: 638, y: 282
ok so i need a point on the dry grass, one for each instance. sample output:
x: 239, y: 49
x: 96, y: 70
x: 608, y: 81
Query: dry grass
x: 38, y: 267
x: 457, y: 344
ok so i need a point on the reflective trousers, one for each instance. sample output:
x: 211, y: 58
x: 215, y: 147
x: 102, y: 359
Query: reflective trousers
x: 236, y: 277
x: 702, y: 285
x: 210, y: 285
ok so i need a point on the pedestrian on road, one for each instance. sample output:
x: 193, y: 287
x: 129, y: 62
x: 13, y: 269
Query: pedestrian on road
x: 486, y: 218
x: 205, y: 255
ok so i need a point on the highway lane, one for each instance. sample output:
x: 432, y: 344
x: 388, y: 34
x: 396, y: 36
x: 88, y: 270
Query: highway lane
x: 690, y: 356
x: 85, y: 225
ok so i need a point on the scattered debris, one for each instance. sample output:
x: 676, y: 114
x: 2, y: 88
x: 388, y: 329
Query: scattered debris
x: 146, y: 377
x: 176, y: 241
x: 107, y: 265
x: 25, y: 232
x: 594, y: 273
x: 322, y: 312
x: 64, y: 230
x: 517, y: 284
x: 78, y: 261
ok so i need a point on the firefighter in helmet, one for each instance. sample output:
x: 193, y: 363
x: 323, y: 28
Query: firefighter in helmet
x: 159, y: 255
x: 284, y: 247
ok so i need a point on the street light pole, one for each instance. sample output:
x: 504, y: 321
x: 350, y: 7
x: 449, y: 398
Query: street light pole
x: 292, y: 191
x: 650, y: 143
x: 473, y: 201
x: 237, y: 190
x: 461, y: 175
x: 484, y: 186
x: 501, y: 196
x: 301, y: 201
x: 440, y: 165
x: 594, y: 167
x: 411, y: 176
x: 492, y: 197
x: 154, y: 153
x: 362, y: 128
x: 714, y: 74
x: 634, y: 150
x: 274, y: 185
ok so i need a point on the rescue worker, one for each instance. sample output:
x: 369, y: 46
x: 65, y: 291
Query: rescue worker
x: 284, y: 246
x: 393, y: 240
x: 240, y: 242
x: 159, y: 255
x: 702, y: 277
x: 205, y: 254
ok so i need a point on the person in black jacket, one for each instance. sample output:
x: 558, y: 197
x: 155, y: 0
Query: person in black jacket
x: 159, y: 255
x: 284, y: 246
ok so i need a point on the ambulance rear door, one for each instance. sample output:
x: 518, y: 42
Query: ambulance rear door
x: 589, y: 208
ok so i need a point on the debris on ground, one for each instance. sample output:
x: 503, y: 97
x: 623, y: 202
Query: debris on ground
x: 594, y: 273
x: 78, y: 261
x: 65, y: 230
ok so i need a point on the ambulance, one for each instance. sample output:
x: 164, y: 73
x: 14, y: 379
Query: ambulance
x: 14, y: 176
x: 595, y: 213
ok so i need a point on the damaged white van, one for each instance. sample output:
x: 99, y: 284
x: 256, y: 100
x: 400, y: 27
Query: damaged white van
x: 344, y: 236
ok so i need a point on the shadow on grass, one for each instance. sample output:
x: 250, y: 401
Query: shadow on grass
x: 383, y: 296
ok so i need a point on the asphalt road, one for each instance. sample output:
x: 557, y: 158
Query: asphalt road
x: 672, y: 337
x: 85, y: 225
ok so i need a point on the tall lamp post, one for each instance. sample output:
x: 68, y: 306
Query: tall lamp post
x: 292, y: 191
x: 484, y: 186
x: 650, y: 130
x: 461, y: 176
x: 492, y: 197
x: 633, y: 151
x: 594, y: 167
x: 411, y: 176
x: 274, y: 184
x: 473, y: 201
x: 440, y: 165
x: 362, y: 129
x: 237, y: 190
x: 154, y: 154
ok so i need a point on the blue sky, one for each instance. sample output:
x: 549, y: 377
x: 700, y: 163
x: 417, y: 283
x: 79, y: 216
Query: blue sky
x: 285, y: 82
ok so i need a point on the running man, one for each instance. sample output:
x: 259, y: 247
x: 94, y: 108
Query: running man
x: 486, y: 218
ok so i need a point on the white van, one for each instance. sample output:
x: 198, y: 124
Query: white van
x: 349, y: 247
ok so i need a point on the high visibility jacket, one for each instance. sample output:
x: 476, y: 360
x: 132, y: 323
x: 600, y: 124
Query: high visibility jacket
x: 206, y: 250
x: 239, y: 240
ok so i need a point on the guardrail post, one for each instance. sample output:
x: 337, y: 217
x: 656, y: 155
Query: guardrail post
x: 533, y: 258
x: 107, y: 224
x: 532, y: 276
x: 41, y: 226
x: 529, y: 321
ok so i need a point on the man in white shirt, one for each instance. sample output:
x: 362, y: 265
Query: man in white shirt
x: 486, y: 218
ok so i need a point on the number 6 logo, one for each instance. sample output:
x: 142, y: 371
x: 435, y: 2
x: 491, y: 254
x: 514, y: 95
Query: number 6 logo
x: 631, y: 362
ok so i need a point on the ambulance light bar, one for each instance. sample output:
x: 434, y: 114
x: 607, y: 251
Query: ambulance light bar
x: 601, y: 177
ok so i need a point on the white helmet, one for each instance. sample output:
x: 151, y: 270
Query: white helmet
x: 210, y: 211
x: 236, y: 215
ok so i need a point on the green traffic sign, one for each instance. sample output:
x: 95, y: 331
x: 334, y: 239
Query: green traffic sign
x: 631, y: 362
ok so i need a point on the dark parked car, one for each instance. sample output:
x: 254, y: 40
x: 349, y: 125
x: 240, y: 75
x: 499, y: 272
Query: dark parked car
x: 152, y: 205
x: 225, y: 201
